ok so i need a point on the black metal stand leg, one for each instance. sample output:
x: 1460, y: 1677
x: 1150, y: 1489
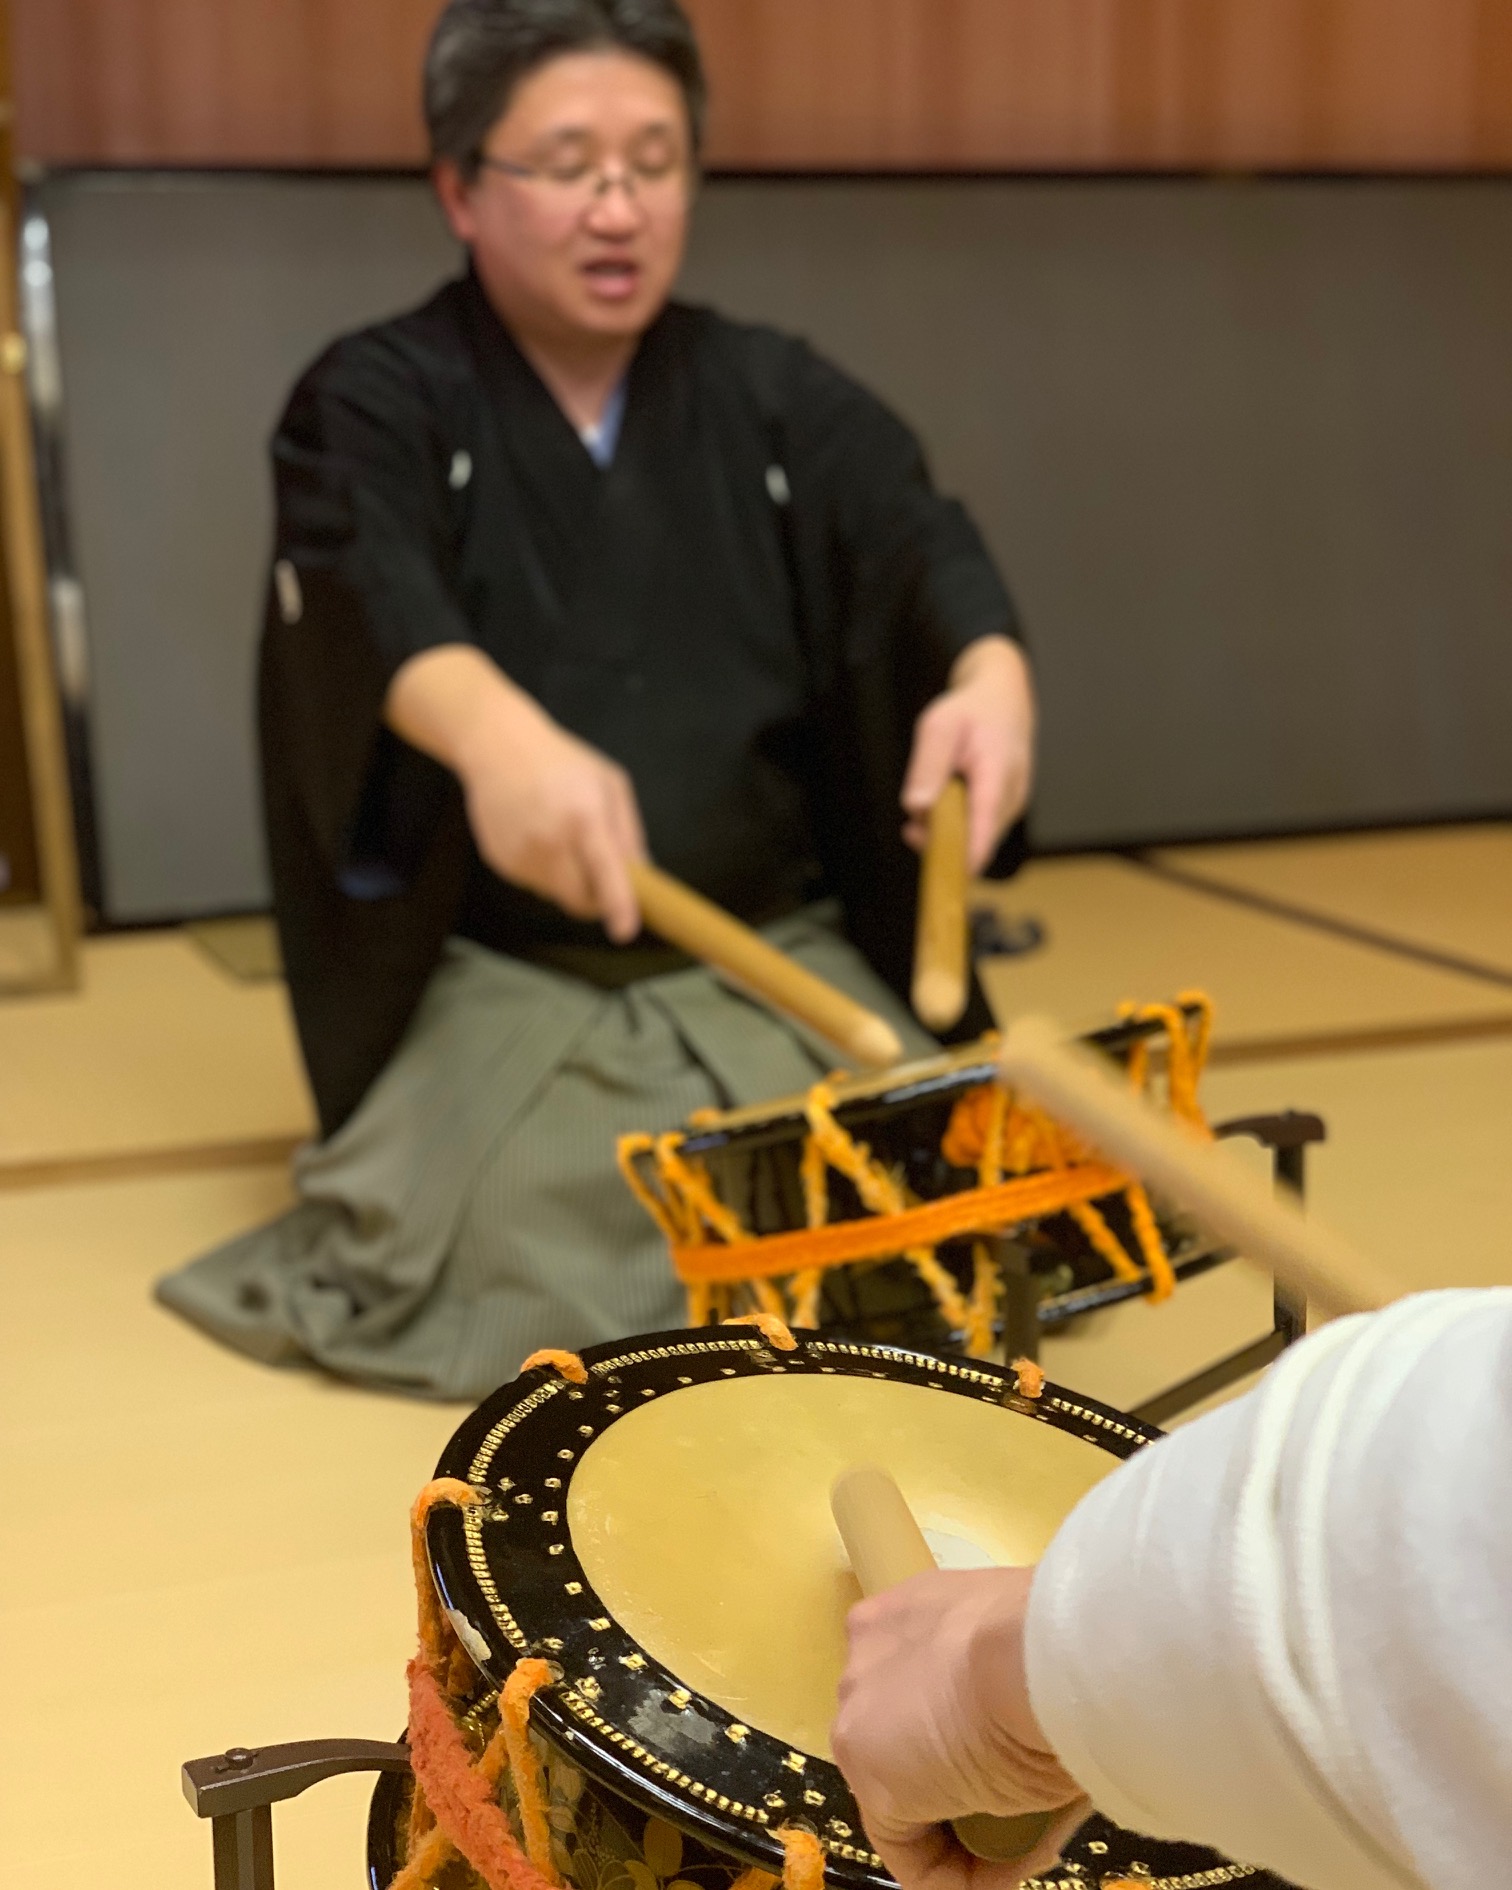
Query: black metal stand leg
x: 1286, y: 1135
x: 1291, y: 1177
x: 243, y: 1848
x: 1021, y: 1326
x: 236, y: 1791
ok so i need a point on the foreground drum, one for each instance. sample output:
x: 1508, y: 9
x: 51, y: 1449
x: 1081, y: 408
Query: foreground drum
x: 876, y: 1207
x: 642, y: 1537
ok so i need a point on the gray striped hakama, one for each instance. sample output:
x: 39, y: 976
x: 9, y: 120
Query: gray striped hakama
x: 471, y: 1211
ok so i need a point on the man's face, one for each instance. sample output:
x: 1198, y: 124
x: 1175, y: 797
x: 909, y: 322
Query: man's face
x: 580, y: 234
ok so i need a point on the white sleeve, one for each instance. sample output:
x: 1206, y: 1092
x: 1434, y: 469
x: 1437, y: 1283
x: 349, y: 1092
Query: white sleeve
x: 1286, y: 1630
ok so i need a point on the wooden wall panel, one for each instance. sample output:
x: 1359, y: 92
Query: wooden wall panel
x: 817, y: 84
x: 1111, y: 84
x: 209, y: 82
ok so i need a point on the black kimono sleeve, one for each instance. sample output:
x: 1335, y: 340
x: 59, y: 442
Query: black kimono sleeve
x: 365, y: 836
x: 365, y: 523
x: 913, y: 562
x: 892, y: 582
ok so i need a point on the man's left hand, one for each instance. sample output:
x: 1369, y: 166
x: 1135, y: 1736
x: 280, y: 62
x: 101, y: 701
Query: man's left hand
x: 982, y: 728
x: 935, y: 1722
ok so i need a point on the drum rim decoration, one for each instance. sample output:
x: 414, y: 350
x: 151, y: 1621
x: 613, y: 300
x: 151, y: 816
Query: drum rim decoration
x: 624, y: 1718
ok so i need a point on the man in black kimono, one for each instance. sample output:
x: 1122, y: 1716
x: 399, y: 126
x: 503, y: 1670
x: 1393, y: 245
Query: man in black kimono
x: 567, y: 573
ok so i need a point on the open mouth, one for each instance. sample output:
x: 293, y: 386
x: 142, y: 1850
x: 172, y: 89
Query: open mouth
x: 612, y: 278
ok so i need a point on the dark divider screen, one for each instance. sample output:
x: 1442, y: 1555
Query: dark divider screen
x: 1243, y: 447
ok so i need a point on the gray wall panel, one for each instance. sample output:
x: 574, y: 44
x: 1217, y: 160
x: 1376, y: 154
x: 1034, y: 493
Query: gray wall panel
x: 1243, y: 448
x: 186, y: 307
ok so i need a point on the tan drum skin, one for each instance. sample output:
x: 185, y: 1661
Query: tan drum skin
x: 703, y: 1522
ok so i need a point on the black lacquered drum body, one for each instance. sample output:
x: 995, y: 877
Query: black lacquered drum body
x: 657, y: 1778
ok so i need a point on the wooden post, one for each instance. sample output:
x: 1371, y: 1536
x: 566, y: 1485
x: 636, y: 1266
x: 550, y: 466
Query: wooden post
x: 25, y: 576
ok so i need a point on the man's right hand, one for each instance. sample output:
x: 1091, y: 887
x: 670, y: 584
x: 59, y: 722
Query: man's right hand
x: 548, y: 812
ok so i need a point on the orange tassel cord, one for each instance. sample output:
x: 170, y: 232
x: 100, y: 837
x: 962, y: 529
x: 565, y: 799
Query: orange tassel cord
x: 455, y: 1807
x: 1028, y: 1166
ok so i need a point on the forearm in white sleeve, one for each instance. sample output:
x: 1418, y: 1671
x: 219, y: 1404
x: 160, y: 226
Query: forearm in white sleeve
x: 1286, y: 1630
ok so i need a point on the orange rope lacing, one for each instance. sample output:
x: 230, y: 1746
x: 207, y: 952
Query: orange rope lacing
x: 1028, y: 1166
x: 803, y: 1866
x: 568, y: 1364
x: 455, y: 1810
x: 774, y: 1330
x: 803, y: 1859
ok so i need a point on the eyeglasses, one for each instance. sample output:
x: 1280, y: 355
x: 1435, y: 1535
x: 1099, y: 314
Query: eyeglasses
x: 576, y: 180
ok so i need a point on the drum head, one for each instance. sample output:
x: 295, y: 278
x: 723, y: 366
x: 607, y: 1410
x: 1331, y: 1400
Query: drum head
x: 661, y: 1534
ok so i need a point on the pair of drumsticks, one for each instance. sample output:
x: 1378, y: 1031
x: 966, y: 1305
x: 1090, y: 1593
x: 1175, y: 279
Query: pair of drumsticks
x: 697, y: 926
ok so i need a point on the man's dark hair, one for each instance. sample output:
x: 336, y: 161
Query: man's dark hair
x: 481, y: 49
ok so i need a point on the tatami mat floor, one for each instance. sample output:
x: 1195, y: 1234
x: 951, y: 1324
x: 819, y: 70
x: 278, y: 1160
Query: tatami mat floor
x: 1114, y: 930
x: 1445, y: 890
x: 196, y: 1551
x: 160, y: 1055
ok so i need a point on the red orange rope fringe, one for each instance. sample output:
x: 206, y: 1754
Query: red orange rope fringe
x: 456, y: 1809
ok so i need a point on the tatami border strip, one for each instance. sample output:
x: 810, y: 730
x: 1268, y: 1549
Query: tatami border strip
x: 144, y: 1164
x: 269, y: 1151
x: 1334, y: 1043
x: 1357, y: 934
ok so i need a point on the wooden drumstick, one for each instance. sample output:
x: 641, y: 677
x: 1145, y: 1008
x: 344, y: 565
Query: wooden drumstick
x: 886, y: 1546
x: 697, y: 926
x: 1037, y: 1060
x: 941, y: 973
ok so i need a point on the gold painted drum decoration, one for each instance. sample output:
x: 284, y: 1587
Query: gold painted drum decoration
x: 877, y: 1206
x: 633, y: 1599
